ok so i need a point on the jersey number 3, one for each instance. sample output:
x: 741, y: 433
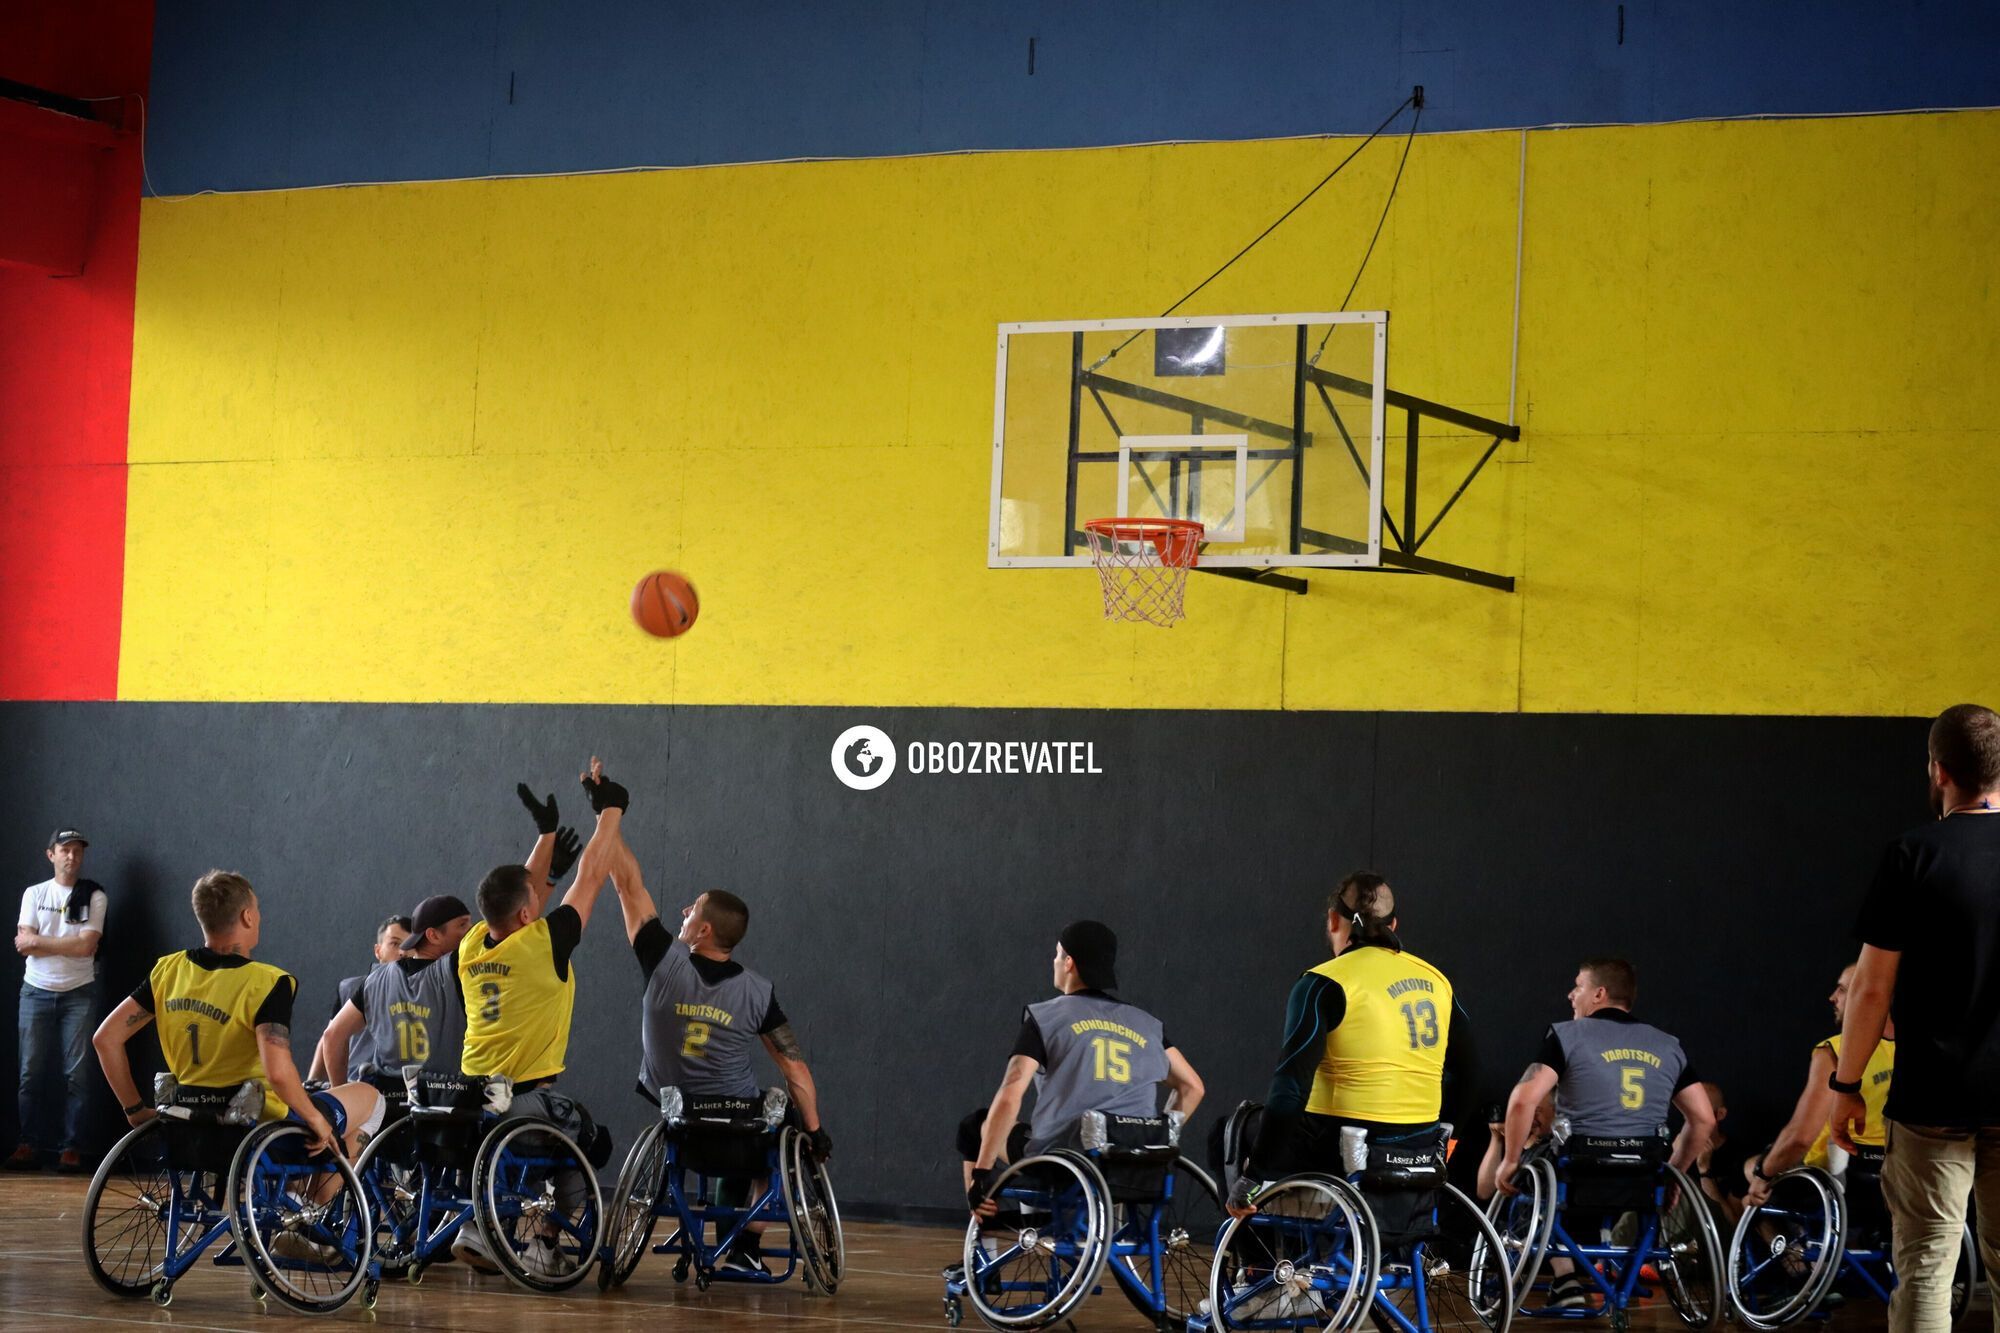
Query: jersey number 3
x: 1422, y: 1018
x: 489, y: 1011
x: 1113, y: 1059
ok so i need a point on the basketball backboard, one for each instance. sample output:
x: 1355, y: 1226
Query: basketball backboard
x: 1267, y: 429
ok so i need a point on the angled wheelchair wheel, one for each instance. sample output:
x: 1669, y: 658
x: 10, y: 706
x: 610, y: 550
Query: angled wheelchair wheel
x: 127, y: 1232
x: 1036, y: 1260
x: 1451, y: 1280
x: 537, y: 1203
x: 301, y: 1221
x: 1522, y: 1223
x: 1967, y: 1275
x: 1190, y: 1217
x: 1785, y: 1254
x: 630, y: 1212
x: 394, y: 1186
x: 1690, y: 1265
x: 1307, y: 1258
x: 815, y: 1214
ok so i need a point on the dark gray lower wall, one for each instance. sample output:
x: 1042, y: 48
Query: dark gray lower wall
x: 906, y: 926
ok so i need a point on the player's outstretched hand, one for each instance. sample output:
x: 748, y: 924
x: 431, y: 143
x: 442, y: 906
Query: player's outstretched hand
x: 547, y: 820
x: 568, y: 847
x: 603, y: 792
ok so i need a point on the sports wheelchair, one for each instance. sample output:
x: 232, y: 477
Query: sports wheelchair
x: 696, y: 1165
x: 1120, y: 1195
x: 1606, y: 1188
x: 1390, y: 1242
x: 446, y: 1157
x: 1816, y: 1233
x: 203, y: 1171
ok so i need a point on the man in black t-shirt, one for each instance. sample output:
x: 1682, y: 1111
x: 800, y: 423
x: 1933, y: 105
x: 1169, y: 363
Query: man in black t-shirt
x: 1930, y: 958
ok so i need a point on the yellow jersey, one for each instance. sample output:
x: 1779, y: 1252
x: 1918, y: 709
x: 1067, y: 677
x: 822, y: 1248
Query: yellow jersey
x: 1874, y: 1095
x: 1385, y: 1060
x: 519, y: 994
x: 207, y: 1006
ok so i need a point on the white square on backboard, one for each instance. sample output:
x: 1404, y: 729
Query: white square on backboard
x: 1231, y: 531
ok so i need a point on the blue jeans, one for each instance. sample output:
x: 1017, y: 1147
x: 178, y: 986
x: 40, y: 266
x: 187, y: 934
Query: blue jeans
x: 54, y: 1023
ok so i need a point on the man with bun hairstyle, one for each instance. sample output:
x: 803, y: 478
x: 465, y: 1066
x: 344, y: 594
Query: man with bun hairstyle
x: 1084, y: 1050
x: 1373, y: 1036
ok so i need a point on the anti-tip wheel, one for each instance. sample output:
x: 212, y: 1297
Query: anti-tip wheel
x: 954, y: 1311
x: 163, y: 1294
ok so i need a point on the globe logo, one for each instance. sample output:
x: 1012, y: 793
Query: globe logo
x: 864, y: 757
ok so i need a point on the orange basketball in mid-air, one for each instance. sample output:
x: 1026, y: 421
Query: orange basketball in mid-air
x: 664, y: 604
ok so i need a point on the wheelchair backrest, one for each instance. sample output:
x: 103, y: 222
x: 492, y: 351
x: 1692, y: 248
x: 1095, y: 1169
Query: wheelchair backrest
x: 1861, y: 1184
x: 1134, y: 1153
x: 203, y: 1125
x: 722, y: 1136
x: 438, y: 1095
x: 1400, y: 1178
x: 1611, y: 1172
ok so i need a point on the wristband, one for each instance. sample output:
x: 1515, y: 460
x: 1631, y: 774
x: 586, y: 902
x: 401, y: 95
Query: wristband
x: 1845, y: 1089
x: 1757, y: 1169
x: 134, y: 1109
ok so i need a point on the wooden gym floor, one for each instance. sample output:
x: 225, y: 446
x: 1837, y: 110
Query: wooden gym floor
x: 892, y: 1284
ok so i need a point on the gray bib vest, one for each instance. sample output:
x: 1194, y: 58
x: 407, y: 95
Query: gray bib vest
x: 412, y: 1017
x: 1620, y: 1079
x: 1104, y: 1055
x: 697, y: 1037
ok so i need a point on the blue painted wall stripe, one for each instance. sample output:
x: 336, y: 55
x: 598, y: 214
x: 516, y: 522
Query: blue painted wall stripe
x: 253, y: 95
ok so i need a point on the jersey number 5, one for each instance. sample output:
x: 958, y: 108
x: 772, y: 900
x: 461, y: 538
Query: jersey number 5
x: 1422, y: 1018
x: 1114, y: 1059
x: 489, y: 1012
x: 1632, y: 1092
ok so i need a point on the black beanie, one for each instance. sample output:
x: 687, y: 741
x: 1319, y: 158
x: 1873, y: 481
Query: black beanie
x: 1094, y: 950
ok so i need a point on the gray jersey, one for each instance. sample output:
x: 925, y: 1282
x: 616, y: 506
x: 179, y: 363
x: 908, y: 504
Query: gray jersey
x: 412, y: 1016
x: 1618, y: 1076
x: 700, y: 1036
x: 1102, y: 1055
x: 360, y: 1046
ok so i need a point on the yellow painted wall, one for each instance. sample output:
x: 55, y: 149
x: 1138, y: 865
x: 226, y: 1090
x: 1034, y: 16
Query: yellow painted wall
x: 417, y: 442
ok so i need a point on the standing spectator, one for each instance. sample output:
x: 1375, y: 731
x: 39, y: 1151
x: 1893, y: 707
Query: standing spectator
x: 1930, y: 959
x: 61, y: 921
x: 389, y: 937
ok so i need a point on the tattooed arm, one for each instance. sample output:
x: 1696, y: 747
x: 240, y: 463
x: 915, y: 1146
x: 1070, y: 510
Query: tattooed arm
x: 1538, y: 1082
x: 119, y: 1027
x: 274, y: 1043
x: 785, y: 1050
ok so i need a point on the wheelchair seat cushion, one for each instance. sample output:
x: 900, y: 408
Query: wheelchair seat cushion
x: 1611, y: 1172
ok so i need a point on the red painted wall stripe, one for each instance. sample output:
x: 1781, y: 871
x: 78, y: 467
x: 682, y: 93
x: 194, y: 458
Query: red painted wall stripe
x: 66, y: 375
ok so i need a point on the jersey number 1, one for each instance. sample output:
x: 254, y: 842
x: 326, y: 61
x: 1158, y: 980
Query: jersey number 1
x: 194, y: 1043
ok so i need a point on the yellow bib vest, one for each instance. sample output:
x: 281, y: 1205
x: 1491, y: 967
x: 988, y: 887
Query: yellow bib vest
x: 1874, y: 1095
x: 207, y: 1022
x: 517, y: 1010
x: 1385, y: 1062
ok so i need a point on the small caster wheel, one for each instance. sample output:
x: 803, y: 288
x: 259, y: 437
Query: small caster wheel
x: 681, y: 1269
x: 604, y: 1274
x: 414, y: 1275
x: 369, y: 1291
x: 163, y: 1294
x: 701, y: 1280
x: 954, y: 1311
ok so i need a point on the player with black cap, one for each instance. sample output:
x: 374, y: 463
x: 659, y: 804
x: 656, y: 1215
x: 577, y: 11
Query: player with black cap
x: 1085, y: 1050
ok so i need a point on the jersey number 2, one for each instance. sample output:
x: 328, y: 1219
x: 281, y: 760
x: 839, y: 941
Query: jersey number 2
x: 1422, y: 1017
x: 694, y: 1044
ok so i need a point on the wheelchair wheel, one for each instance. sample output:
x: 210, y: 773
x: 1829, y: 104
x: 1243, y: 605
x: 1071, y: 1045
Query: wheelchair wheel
x: 815, y: 1215
x: 301, y: 1221
x: 536, y: 1200
x: 1691, y: 1264
x: 1452, y: 1284
x: 1522, y: 1222
x: 394, y: 1186
x: 1785, y: 1254
x: 630, y: 1215
x: 1307, y: 1258
x: 126, y: 1240
x: 1967, y: 1275
x: 1033, y: 1262
x: 1190, y: 1218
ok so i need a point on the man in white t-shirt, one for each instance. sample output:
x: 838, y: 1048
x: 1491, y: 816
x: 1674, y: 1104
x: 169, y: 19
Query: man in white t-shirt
x: 61, y: 921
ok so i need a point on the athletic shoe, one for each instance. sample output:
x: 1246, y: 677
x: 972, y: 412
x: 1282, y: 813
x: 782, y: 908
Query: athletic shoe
x: 745, y: 1256
x: 24, y: 1159
x: 72, y: 1164
x: 470, y: 1248
x: 541, y: 1258
x: 1567, y: 1293
x: 295, y: 1247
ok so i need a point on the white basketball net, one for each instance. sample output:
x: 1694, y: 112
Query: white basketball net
x: 1143, y: 564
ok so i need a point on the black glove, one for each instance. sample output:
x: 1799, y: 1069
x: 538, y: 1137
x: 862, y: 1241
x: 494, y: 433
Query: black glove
x: 1244, y: 1193
x: 822, y: 1143
x: 605, y: 795
x: 546, y: 818
x: 981, y: 1186
x: 568, y: 848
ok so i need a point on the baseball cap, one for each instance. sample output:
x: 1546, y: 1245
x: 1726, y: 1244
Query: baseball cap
x: 1094, y: 950
x: 63, y: 835
x: 431, y: 914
